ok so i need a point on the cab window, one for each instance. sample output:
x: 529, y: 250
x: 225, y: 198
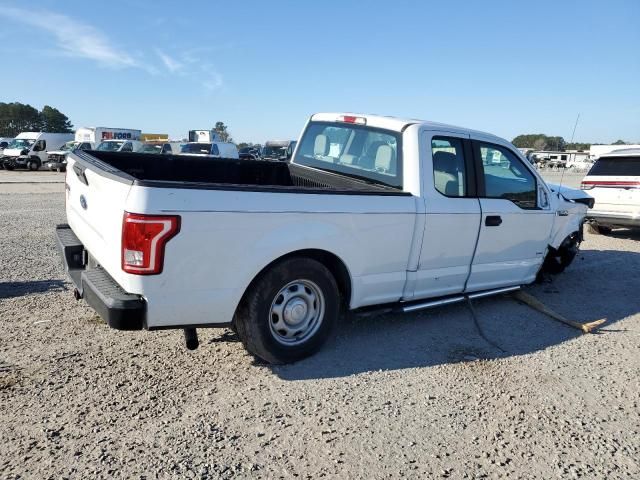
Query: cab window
x: 215, y: 150
x: 449, y: 175
x: 40, y: 146
x: 127, y: 147
x: 505, y: 176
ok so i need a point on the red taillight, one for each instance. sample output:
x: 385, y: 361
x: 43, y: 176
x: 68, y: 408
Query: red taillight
x: 586, y: 186
x: 352, y: 119
x: 143, y: 241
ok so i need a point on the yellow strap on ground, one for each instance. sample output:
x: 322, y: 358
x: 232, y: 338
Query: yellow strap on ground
x: 541, y: 307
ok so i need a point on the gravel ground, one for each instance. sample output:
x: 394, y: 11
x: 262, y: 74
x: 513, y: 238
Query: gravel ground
x: 420, y: 395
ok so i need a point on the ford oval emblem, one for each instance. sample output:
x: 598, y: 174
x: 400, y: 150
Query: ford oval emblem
x: 83, y: 202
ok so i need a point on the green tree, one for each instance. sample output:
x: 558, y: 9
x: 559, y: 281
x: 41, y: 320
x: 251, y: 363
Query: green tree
x: 223, y: 132
x: 539, y: 141
x: 17, y: 117
x: 619, y: 142
x: 54, y: 121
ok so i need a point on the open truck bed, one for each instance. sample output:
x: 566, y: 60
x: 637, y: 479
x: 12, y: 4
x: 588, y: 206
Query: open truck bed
x: 177, y: 171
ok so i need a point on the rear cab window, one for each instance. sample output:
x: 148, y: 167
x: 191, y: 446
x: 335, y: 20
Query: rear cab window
x: 358, y: 151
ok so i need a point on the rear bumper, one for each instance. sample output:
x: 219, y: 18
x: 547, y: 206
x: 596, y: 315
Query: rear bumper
x: 614, y: 218
x: 121, y: 310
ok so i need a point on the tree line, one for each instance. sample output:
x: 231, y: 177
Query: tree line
x: 540, y: 141
x: 17, y: 117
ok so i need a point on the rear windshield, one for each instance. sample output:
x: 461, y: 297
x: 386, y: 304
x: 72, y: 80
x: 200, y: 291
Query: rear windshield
x: 620, y: 166
x: 109, y: 146
x: 355, y: 150
x: 202, y: 148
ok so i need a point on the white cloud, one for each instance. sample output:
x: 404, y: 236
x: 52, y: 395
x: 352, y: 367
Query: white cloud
x: 173, y: 65
x: 73, y: 37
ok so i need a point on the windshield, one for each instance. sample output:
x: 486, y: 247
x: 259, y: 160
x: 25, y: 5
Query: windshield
x: 200, y: 148
x: 67, y: 147
x: 621, y: 166
x: 354, y: 150
x: 150, y: 148
x: 22, y: 143
x: 109, y: 146
x: 274, y: 151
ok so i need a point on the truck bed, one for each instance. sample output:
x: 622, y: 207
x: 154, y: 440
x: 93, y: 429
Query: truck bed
x: 181, y: 171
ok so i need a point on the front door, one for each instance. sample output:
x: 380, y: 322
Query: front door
x: 515, y: 228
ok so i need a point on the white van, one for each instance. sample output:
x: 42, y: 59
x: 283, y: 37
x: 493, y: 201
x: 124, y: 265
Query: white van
x: 210, y: 149
x: 614, y: 182
x: 30, y: 149
x: 119, y: 146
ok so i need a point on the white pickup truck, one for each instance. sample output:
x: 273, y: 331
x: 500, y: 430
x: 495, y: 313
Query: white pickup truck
x: 372, y: 211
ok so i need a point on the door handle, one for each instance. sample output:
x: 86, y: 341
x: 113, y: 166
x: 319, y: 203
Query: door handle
x: 493, y: 221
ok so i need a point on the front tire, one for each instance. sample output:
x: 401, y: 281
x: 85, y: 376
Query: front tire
x: 289, y: 311
x: 558, y: 260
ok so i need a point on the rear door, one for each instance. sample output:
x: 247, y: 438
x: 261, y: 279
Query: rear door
x: 614, y: 182
x: 452, y: 214
x: 515, y: 225
x: 95, y: 206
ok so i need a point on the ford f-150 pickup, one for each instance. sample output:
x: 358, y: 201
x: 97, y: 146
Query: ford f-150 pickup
x: 371, y: 211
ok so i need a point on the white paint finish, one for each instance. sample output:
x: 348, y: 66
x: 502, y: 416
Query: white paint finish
x: 415, y: 246
x: 512, y: 250
x: 450, y: 232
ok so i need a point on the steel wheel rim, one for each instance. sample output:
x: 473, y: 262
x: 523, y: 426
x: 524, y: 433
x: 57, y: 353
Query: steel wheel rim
x: 296, y: 312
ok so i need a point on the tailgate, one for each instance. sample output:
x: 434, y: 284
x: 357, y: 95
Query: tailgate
x: 95, y: 206
x: 614, y: 193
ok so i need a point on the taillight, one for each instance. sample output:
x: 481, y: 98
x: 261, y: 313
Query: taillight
x: 352, y: 119
x: 143, y: 240
x: 587, y: 185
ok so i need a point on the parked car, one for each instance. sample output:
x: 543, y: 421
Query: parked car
x: 614, y: 183
x: 249, y: 153
x: 373, y: 212
x: 30, y: 149
x: 161, y: 147
x: 4, y: 143
x: 119, y: 146
x: 57, y: 159
x: 210, y: 149
x: 281, y: 150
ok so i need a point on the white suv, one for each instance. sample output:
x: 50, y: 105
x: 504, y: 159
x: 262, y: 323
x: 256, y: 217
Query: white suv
x: 614, y: 182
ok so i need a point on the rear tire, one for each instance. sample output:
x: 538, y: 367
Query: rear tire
x: 289, y: 311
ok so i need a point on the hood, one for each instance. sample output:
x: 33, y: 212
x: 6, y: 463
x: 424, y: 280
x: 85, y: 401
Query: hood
x: 12, y: 152
x: 573, y: 194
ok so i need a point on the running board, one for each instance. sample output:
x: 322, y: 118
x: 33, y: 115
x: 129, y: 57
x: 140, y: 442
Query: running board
x: 457, y: 299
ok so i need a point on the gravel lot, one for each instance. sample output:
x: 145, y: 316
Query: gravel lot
x: 421, y: 395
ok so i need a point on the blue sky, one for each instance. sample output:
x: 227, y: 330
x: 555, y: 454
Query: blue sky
x: 263, y: 67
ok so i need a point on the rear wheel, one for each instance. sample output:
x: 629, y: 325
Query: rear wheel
x: 289, y: 311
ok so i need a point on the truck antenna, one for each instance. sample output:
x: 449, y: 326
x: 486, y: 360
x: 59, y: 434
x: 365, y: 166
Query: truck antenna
x: 575, y: 125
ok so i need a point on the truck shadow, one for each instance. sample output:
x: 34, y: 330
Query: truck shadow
x: 599, y: 284
x: 19, y: 289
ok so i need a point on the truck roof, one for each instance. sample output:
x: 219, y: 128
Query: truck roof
x: 398, y: 124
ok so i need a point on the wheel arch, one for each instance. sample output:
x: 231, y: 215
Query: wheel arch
x: 330, y: 260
